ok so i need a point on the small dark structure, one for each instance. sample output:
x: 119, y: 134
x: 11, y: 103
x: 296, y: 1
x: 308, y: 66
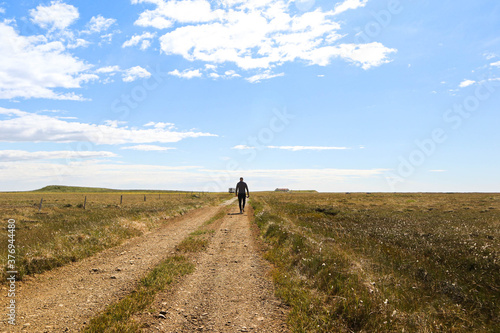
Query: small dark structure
x: 232, y: 190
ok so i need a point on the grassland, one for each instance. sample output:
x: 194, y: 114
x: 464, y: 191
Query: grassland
x: 63, y: 231
x: 385, y: 262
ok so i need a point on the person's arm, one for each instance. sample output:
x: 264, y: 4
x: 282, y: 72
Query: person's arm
x: 248, y: 191
x: 236, y: 191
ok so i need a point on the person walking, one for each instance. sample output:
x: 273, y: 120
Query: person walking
x: 240, y: 193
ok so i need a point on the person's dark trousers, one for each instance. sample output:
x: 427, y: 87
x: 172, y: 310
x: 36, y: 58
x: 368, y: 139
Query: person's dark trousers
x: 241, y: 200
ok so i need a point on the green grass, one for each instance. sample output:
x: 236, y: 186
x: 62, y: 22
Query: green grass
x: 116, y: 317
x: 64, y: 232
x: 385, y: 262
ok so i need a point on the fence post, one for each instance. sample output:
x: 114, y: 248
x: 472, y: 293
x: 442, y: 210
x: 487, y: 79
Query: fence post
x: 144, y: 197
x: 121, y: 199
x: 40, y: 207
x: 85, y: 202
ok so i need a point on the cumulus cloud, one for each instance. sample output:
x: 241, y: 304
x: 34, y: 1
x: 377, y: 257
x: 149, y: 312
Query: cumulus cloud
x: 298, y: 148
x: 21, y: 155
x: 21, y: 126
x: 256, y: 35
x: 99, y: 24
x: 186, y: 74
x: 56, y: 16
x: 33, y: 67
x: 349, y: 4
x: 135, y: 73
x: 466, y: 83
x: 108, y: 69
x: 495, y: 64
x: 144, y: 40
x: 148, y: 148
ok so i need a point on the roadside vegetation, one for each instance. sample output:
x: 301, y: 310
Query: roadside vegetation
x: 384, y: 262
x: 62, y: 231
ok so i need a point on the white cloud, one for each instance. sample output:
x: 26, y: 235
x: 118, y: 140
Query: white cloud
x: 256, y: 34
x: 242, y: 147
x: 21, y: 155
x: 310, y: 179
x: 57, y: 16
x: 30, y: 175
x: 99, y: 24
x: 349, y: 4
x: 2, y: 10
x: 489, y: 55
x: 466, y: 83
x: 183, y: 11
x: 298, y: 148
x: 33, y: 67
x: 186, y: 74
x: 108, y: 69
x: 160, y: 125
x: 135, y: 73
x: 21, y: 126
x: 144, y: 40
x: 148, y: 148
x: 263, y: 76
x: 78, y: 43
x: 496, y: 64
x: 437, y: 170
x: 107, y: 38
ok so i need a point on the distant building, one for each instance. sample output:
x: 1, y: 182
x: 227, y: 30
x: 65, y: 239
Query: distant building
x: 282, y: 190
x: 232, y: 190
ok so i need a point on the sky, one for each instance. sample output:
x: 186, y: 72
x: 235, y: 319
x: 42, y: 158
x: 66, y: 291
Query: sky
x: 333, y: 96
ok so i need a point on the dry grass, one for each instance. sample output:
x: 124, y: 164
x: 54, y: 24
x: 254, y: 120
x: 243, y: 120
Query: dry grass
x: 63, y: 231
x: 385, y: 262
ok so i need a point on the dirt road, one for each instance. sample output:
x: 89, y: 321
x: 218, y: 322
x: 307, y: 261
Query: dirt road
x: 228, y: 292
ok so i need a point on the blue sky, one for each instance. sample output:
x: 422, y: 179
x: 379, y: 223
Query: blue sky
x: 350, y: 95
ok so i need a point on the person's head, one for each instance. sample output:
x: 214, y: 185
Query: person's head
x: 241, y: 179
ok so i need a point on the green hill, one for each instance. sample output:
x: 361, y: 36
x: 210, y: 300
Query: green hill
x: 81, y: 189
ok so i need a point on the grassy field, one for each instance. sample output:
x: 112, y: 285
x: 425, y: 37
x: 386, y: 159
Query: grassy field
x: 385, y: 262
x: 63, y: 231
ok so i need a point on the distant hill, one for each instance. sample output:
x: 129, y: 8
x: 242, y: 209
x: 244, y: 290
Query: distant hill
x: 76, y: 189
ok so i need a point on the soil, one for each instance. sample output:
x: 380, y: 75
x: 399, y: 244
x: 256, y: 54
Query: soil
x: 230, y: 291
